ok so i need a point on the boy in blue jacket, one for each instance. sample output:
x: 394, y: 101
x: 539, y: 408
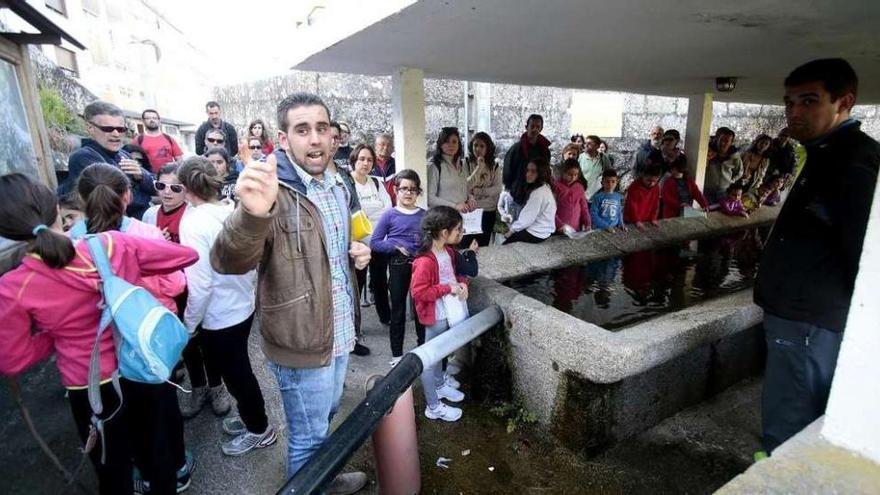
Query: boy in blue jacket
x: 606, y: 207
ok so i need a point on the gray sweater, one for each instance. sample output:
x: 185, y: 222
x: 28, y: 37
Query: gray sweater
x: 449, y: 186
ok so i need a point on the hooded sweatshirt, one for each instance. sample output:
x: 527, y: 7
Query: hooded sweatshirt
x: 571, y: 205
x: 641, y: 204
x: 215, y: 301
x: 46, y: 310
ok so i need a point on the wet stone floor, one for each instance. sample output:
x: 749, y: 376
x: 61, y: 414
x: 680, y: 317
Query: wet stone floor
x: 694, y: 452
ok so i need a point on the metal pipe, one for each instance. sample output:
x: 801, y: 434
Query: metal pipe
x: 323, y: 466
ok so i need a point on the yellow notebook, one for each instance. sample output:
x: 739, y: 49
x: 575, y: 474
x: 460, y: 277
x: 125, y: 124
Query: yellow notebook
x: 360, y: 226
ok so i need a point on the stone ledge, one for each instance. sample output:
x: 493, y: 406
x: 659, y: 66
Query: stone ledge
x: 807, y: 463
x: 519, y: 259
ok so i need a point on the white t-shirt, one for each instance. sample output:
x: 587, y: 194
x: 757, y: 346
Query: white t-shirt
x: 447, y: 277
x: 374, y: 201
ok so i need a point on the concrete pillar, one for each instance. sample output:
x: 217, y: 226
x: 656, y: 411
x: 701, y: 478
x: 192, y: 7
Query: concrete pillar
x: 408, y: 116
x: 854, y: 403
x: 483, y: 104
x: 696, y: 137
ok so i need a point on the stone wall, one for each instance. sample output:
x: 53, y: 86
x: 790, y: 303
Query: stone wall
x: 365, y: 102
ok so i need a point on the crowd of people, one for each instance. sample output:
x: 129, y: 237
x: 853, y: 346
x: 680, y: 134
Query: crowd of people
x: 273, y: 231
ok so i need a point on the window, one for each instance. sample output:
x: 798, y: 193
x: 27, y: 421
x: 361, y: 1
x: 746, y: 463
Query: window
x: 16, y: 146
x: 170, y: 130
x: 57, y: 6
x: 67, y: 60
x: 92, y: 6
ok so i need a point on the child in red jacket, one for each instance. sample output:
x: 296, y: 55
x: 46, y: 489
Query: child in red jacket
x: 642, y: 202
x: 434, y: 276
x: 571, y: 203
x: 679, y: 191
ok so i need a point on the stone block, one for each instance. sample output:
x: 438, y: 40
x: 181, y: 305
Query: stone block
x: 444, y: 91
x: 634, y: 103
x: 744, y: 109
x: 660, y: 104
x: 681, y: 106
x: 719, y: 109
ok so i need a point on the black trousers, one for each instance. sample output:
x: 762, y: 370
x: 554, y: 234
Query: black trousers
x: 201, y: 373
x: 148, y: 429
x: 801, y: 359
x: 523, y: 236
x: 379, y: 285
x: 400, y: 274
x: 228, y: 350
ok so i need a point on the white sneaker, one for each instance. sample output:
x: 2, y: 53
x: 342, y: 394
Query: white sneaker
x: 449, y: 393
x: 444, y: 412
x: 394, y: 361
x: 451, y: 381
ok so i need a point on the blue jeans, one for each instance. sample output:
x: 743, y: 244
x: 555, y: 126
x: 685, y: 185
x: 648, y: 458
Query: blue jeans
x: 432, y: 376
x: 801, y: 359
x: 311, y: 398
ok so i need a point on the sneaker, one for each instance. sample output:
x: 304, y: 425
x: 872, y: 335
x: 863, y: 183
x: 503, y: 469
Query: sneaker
x: 394, y: 361
x: 451, y: 381
x: 234, y: 426
x: 220, y: 400
x: 248, y: 441
x: 191, y: 404
x: 347, y: 483
x: 184, y: 476
x: 449, y: 393
x: 360, y: 350
x: 444, y: 412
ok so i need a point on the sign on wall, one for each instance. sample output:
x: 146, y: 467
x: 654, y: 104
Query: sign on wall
x: 597, y: 112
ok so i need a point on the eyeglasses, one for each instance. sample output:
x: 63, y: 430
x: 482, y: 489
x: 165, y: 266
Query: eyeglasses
x: 175, y: 188
x: 110, y: 128
x: 414, y: 190
x: 258, y: 147
x: 215, y: 141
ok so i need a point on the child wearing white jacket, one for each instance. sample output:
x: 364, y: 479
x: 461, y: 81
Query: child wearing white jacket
x: 221, y: 308
x: 537, y: 219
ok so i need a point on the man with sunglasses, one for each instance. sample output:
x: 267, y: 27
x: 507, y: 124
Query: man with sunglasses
x: 215, y: 122
x: 106, y: 127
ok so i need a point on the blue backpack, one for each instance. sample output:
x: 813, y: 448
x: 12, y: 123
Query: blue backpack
x: 149, y: 338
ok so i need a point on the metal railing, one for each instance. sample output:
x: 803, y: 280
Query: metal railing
x: 334, y: 453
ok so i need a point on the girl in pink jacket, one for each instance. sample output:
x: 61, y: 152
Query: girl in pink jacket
x: 49, y: 304
x: 571, y: 202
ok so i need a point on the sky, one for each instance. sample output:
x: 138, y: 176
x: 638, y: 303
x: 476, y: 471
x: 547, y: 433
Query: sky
x: 268, y: 37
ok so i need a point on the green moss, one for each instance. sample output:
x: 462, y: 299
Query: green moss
x: 57, y: 115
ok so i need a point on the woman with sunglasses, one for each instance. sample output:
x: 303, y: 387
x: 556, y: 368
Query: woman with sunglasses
x: 258, y: 129
x: 397, y: 236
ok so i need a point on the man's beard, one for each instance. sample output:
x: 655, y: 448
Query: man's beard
x: 151, y: 127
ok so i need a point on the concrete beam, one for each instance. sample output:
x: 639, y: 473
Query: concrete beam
x: 408, y: 116
x: 696, y: 136
x: 853, y: 408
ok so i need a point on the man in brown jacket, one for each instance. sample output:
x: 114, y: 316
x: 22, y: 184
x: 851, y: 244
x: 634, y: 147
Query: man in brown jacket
x: 293, y: 221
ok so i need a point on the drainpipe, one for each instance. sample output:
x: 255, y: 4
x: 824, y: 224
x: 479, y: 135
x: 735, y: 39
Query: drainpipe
x: 322, y: 467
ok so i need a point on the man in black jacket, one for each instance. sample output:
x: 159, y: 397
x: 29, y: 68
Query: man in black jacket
x: 215, y: 121
x: 530, y: 146
x: 810, y: 262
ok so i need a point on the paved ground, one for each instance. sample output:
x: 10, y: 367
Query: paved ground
x: 693, y: 452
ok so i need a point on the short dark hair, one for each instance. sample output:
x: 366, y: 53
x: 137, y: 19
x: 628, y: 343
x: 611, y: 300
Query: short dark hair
x: 149, y: 110
x: 836, y: 75
x: 101, y: 108
x: 407, y: 174
x: 653, y: 170
x: 297, y: 100
x: 593, y: 138
x: 211, y: 104
x: 721, y: 131
x: 336, y: 126
x: 574, y: 137
x: 609, y: 172
x: 534, y: 116
x: 169, y: 168
x: 673, y: 134
x: 353, y: 157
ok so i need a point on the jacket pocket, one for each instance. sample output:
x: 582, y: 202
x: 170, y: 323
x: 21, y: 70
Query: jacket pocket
x: 294, y: 324
x: 296, y: 236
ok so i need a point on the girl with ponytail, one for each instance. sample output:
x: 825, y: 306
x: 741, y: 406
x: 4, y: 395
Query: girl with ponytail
x: 50, y: 304
x: 398, y: 236
x: 220, y: 309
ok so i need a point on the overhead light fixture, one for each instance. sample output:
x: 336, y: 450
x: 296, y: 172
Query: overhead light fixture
x: 725, y: 84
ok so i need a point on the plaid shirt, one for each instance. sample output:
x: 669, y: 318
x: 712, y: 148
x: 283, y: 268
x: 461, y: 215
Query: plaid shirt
x: 320, y: 192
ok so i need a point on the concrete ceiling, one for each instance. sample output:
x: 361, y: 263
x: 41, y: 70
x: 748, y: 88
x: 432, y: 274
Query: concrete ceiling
x: 671, y: 47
